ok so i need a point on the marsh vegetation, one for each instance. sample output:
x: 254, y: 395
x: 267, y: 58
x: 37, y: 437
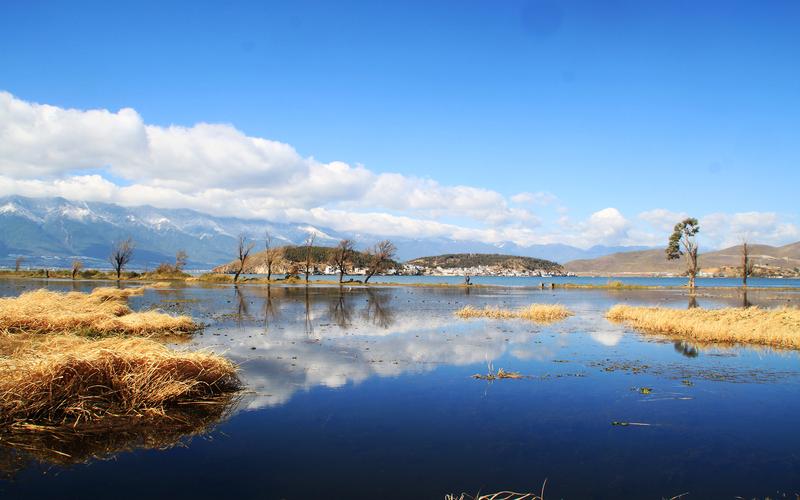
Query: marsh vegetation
x: 540, y: 313
x: 777, y: 327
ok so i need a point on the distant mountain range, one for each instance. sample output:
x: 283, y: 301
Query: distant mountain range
x: 769, y: 260
x: 52, y: 232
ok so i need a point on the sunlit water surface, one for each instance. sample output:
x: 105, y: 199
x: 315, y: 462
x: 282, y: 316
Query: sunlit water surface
x: 368, y: 393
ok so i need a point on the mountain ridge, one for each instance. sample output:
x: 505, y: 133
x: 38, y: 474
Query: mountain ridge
x: 769, y: 260
x: 52, y: 231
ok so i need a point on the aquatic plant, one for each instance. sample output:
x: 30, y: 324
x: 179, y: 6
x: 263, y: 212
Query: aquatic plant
x: 104, y: 311
x: 753, y: 325
x: 69, y: 379
x: 543, y: 313
x: 500, y: 495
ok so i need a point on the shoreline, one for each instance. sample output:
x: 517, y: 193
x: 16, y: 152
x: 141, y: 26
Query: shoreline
x: 543, y: 286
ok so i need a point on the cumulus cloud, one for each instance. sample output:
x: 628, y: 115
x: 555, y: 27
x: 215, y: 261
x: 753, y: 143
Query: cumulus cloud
x: 661, y: 219
x: 724, y: 230
x: 214, y: 166
x: 539, y: 198
x: 102, y: 155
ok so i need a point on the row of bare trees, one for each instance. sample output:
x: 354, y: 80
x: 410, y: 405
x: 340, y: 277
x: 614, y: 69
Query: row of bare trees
x: 379, y: 257
x: 683, y: 242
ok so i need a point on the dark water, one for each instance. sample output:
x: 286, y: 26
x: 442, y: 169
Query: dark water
x: 356, y: 393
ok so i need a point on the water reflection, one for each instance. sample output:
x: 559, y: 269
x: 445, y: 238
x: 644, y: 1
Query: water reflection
x: 745, y: 303
x: 23, y: 445
x: 687, y: 349
x: 336, y: 336
x: 379, y: 311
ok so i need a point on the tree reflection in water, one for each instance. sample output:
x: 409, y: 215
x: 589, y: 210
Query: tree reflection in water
x: 378, y: 310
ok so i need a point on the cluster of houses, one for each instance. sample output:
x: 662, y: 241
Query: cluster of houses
x: 414, y: 270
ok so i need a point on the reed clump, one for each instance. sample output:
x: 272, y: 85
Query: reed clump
x: 70, y: 379
x: 500, y: 495
x: 753, y: 325
x: 541, y: 313
x: 104, y: 311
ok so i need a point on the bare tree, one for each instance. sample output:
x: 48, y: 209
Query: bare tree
x: 76, y: 267
x: 747, y: 264
x: 181, y: 257
x: 309, y: 256
x: 121, y: 255
x: 380, y: 256
x: 18, y: 263
x: 244, y: 249
x: 341, y: 257
x: 273, y: 255
x: 683, y: 241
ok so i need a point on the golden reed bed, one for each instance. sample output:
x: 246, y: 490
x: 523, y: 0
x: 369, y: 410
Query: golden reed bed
x: 772, y: 327
x: 50, y: 376
x: 72, y: 379
x: 541, y: 313
x: 104, y: 311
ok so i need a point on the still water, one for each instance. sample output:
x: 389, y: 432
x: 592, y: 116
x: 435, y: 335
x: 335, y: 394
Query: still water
x: 368, y: 393
x: 536, y: 281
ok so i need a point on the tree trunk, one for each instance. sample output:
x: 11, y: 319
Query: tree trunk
x: 369, y: 275
x: 269, y: 272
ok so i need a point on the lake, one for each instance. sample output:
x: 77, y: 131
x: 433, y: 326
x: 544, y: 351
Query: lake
x: 536, y: 281
x: 368, y: 393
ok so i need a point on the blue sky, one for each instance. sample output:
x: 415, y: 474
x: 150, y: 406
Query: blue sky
x: 683, y: 107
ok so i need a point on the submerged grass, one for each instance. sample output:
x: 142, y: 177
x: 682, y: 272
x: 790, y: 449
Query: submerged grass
x: 772, y: 327
x: 104, y: 311
x: 542, y: 313
x: 66, y: 379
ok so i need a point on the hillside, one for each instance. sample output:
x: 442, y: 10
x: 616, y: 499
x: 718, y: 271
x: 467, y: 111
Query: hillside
x: 769, y: 261
x: 479, y: 263
x: 51, y: 232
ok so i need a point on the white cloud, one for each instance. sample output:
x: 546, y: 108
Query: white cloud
x: 661, y: 219
x: 539, y: 198
x: 724, y: 230
x: 215, y: 168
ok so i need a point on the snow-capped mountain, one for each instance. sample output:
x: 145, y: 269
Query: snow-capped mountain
x: 54, y: 231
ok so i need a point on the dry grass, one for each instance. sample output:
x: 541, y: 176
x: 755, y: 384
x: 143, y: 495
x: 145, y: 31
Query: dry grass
x: 69, y: 379
x: 104, y: 311
x: 541, y: 313
x: 499, y: 375
x: 501, y: 495
x: 772, y: 327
